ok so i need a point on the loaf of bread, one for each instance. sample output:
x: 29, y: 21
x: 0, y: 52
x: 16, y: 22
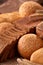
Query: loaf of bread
x: 6, y: 39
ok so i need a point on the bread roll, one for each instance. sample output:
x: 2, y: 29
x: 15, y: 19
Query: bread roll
x: 28, y: 44
x: 29, y: 7
x: 37, y: 56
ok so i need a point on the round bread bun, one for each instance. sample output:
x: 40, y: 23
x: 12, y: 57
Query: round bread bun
x: 28, y: 44
x: 37, y: 56
x: 29, y: 7
x: 39, y: 30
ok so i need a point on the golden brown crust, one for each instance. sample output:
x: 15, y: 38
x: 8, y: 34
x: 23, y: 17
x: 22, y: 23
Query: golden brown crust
x: 29, y: 7
x: 37, y: 56
x: 28, y: 44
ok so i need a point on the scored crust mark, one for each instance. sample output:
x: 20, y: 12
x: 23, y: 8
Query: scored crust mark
x: 5, y: 45
x: 36, y: 16
x: 28, y: 23
x: 7, y: 31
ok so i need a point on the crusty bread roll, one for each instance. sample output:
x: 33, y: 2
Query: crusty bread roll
x: 28, y: 44
x: 37, y: 56
x: 28, y: 8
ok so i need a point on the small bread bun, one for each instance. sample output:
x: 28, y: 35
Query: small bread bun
x: 29, y: 7
x: 39, y: 30
x: 37, y: 56
x: 28, y: 44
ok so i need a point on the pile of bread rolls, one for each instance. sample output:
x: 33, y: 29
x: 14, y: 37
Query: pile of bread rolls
x: 22, y: 30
